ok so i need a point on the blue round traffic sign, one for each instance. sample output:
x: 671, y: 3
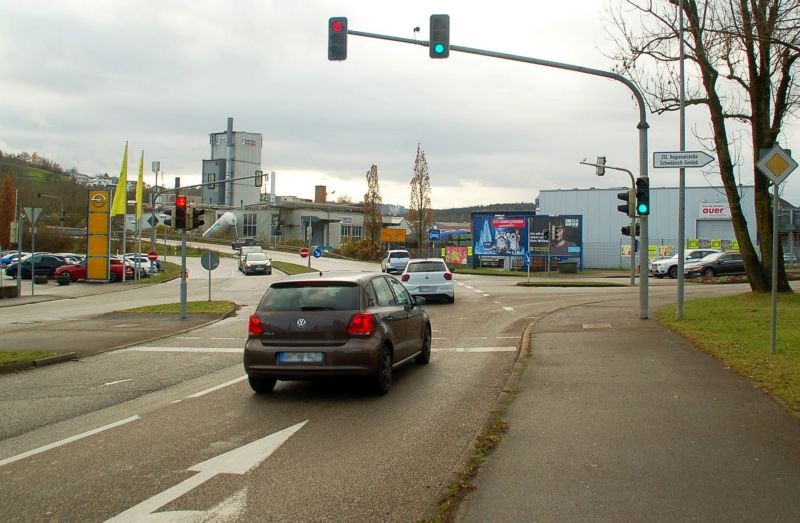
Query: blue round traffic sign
x: 317, y: 252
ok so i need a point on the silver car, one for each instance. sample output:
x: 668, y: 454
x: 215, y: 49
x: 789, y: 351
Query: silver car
x: 669, y: 266
x: 256, y: 263
x: 394, y: 261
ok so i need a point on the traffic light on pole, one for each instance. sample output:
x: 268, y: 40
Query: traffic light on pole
x: 337, y: 38
x: 439, y: 45
x: 626, y: 231
x: 180, y: 212
x: 170, y: 216
x: 642, y: 196
x: 197, y: 218
x: 629, y: 197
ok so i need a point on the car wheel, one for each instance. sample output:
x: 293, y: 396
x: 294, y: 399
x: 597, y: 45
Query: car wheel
x: 64, y: 279
x: 673, y: 272
x: 708, y: 273
x: 451, y: 299
x: 261, y: 385
x: 425, y: 356
x: 113, y: 277
x: 382, y: 380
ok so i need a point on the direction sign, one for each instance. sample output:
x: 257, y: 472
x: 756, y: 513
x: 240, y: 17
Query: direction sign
x: 776, y: 164
x: 681, y: 159
x: 434, y: 235
x: 317, y: 252
x: 153, y: 220
x: 152, y: 255
x: 528, y: 258
x: 304, y: 252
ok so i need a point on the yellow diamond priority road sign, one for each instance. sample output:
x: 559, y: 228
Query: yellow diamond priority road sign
x: 776, y: 164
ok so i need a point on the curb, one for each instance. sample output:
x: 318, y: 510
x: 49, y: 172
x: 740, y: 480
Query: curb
x: 41, y: 362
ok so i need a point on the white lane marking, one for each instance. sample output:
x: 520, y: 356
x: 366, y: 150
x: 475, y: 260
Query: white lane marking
x: 507, y: 337
x: 440, y: 338
x: 188, y: 338
x: 64, y: 441
x: 115, y: 382
x: 478, y: 291
x: 477, y: 338
x: 487, y: 295
x: 469, y: 286
x: 476, y: 349
x: 508, y: 308
x: 596, y: 325
x: 217, y: 387
x: 183, y: 349
x: 241, y: 338
x: 238, y: 461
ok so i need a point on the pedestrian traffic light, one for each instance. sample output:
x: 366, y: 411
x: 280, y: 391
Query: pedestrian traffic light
x: 197, y: 220
x: 626, y: 231
x: 337, y: 38
x: 439, y: 45
x: 629, y: 197
x: 642, y: 196
x: 180, y: 212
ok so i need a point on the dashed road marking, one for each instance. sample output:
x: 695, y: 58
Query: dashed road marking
x: 476, y: 349
x: 184, y: 349
x: 508, y: 308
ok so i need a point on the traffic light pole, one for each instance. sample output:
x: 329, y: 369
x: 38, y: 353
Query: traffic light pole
x: 183, y: 275
x: 642, y: 126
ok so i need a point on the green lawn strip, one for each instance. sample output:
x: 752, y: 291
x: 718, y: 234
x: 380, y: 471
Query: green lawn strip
x: 192, y: 307
x: 600, y: 273
x: 291, y: 268
x: 569, y: 283
x: 736, y: 331
x: 7, y: 358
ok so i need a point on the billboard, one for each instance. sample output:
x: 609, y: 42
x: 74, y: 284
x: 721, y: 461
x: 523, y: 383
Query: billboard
x: 560, y: 236
x: 499, y: 234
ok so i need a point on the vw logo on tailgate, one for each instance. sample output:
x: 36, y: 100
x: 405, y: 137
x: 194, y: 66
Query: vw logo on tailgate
x: 301, y: 323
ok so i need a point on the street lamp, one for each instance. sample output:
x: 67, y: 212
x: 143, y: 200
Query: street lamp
x: 40, y: 195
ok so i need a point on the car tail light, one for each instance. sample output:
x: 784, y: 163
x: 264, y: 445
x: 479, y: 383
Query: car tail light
x: 254, y: 327
x: 361, y: 325
x: 448, y: 276
x: 406, y: 277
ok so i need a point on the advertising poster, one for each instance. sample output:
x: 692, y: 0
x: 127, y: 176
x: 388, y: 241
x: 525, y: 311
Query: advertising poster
x: 455, y: 255
x: 500, y: 234
x: 560, y: 236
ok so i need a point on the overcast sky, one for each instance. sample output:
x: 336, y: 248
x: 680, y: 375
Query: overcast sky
x: 80, y: 78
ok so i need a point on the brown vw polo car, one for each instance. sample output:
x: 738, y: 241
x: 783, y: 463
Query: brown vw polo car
x: 314, y: 326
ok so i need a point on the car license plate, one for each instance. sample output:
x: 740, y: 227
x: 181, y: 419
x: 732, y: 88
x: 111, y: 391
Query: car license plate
x: 300, y: 357
x: 427, y: 289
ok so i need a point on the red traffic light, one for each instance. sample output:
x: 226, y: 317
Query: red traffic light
x: 337, y: 26
x: 180, y: 202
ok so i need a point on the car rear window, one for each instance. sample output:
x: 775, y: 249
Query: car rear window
x: 398, y: 255
x: 428, y: 266
x: 310, y: 296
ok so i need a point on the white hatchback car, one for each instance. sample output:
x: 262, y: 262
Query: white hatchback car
x: 429, y: 278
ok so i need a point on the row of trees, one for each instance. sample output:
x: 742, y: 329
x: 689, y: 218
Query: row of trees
x: 742, y: 61
x: 420, y: 213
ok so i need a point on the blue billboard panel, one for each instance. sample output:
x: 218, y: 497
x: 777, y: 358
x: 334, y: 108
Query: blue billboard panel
x: 500, y: 234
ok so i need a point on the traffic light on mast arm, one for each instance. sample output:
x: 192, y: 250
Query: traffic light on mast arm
x: 439, y: 45
x: 626, y: 231
x: 642, y: 196
x: 180, y: 212
x: 337, y: 38
x: 196, y: 218
x: 629, y: 197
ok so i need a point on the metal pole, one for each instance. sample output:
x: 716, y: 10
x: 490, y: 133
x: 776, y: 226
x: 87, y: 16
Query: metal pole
x: 183, y: 274
x: 33, y: 257
x: 774, y: 316
x: 681, y: 179
x: 19, y: 245
x: 633, y: 250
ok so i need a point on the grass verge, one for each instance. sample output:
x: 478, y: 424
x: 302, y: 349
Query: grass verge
x: 570, y: 283
x: 6, y: 358
x: 737, y: 331
x: 291, y: 268
x: 192, y: 307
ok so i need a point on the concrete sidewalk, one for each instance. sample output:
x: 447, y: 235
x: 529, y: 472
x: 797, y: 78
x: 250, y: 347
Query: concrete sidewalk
x: 617, y: 419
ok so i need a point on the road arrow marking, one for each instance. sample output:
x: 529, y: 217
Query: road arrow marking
x: 237, y: 461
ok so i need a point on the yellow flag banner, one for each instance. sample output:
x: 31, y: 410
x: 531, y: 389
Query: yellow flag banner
x: 121, y: 193
x: 139, y: 188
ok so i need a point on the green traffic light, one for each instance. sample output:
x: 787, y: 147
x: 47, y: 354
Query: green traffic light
x: 642, y: 208
x: 438, y: 48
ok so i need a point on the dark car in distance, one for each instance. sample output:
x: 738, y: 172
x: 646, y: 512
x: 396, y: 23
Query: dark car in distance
x: 243, y: 242
x: 315, y: 326
x: 718, y: 264
x: 36, y: 264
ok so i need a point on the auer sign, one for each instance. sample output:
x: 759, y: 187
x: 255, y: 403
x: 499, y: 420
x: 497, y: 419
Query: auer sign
x: 714, y: 210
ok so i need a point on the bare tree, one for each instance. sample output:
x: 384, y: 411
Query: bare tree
x: 741, y: 60
x: 420, y: 214
x: 373, y: 220
x: 7, y: 211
